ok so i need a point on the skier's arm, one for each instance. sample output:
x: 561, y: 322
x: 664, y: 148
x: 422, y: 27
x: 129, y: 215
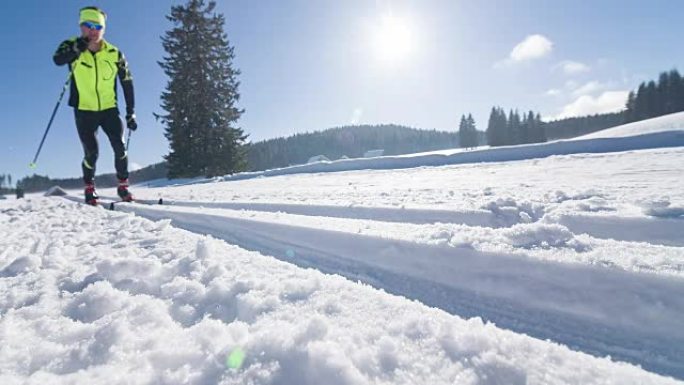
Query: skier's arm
x: 126, y: 80
x: 69, y: 50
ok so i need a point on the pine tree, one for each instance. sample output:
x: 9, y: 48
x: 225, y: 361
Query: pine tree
x: 651, y: 99
x: 497, y: 134
x: 472, y: 131
x: 640, y: 107
x: 663, y: 91
x: 514, y: 128
x: 201, y: 95
x: 467, y: 132
x: 490, y: 132
x: 529, y: 130
x: 463, y: 132
x: 630, y: 108
x: 541, y: 129
x: 678, y: 85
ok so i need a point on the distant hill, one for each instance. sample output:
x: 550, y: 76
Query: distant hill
x: 338, y: 142
x: 334, y: 143
x: 349, y: 141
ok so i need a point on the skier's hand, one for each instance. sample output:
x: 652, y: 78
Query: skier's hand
x: 131, y: 123
x: 81, y: 44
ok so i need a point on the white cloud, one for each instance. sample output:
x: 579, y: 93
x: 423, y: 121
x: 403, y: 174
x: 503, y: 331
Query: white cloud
x: 533, y: 47
x: 570, y: 67
x: 609, y: 101
x: 574, y: 89
x: 134, y: 166
x: 589, y: 88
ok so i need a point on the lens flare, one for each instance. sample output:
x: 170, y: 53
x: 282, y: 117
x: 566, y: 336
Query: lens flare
x: 235, y: 359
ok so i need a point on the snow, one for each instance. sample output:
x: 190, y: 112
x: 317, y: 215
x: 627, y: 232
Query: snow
x: 565, y: 268
x: 56, y: 191
x: 665, y: 123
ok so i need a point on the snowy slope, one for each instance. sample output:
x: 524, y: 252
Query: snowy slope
x: 665, y: 123
x: 572, y: 257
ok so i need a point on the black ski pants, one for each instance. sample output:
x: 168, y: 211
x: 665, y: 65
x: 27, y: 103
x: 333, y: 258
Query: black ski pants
x: 87, y: 123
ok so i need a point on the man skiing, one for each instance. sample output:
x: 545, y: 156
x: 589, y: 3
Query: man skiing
x: 95, y: 64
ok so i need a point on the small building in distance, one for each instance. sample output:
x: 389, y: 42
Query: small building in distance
x: 373, y: 153
x: 318, y: 158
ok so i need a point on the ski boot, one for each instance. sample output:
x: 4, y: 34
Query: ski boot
x: 123, y: 192
x: 90, y: 194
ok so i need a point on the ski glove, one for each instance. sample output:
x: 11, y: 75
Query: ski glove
x: 130, y: 122
x: 80, y: 44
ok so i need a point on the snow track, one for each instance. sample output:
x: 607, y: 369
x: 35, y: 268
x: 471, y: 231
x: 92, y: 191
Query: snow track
x: 603, y: 311
x: 663, y: 231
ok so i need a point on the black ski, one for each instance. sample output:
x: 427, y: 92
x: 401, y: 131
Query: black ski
x: 112, y: 205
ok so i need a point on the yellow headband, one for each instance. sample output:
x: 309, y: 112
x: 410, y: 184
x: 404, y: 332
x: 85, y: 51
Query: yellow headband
x: 92, y: 15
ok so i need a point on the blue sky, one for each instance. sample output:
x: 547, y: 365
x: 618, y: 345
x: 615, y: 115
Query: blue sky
x: 310, y: 65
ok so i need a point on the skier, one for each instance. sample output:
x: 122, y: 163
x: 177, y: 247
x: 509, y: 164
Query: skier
x: 95, y: 65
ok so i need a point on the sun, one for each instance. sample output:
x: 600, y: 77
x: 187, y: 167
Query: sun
x: 392, y: 39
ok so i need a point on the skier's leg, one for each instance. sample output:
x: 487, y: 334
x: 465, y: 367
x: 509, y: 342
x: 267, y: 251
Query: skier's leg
x: 113, y: 126
x: 86, y: 125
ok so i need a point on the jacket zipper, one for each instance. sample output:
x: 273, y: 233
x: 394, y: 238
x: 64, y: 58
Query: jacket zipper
x: 97, y: 92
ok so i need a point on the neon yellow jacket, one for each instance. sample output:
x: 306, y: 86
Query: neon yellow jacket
x: 93, y: 86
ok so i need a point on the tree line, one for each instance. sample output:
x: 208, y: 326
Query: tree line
x: 514, y: 129
x: 334, y: 143
x: 577, y: 126
x: 348, y: 141
x: 40, y: 183
x: 467, y: 132
x: 653, y: 99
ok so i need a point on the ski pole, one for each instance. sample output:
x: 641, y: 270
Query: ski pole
x: 128, y: 139
x: 52, y: 117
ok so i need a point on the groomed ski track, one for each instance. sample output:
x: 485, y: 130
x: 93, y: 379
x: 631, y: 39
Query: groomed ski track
x: 631, y: 317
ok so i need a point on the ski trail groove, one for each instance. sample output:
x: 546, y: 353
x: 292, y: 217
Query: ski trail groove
x: 631, y: 317
x: 662, y: 231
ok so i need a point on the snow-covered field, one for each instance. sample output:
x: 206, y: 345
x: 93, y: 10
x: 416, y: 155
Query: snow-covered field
x: 536, y: 270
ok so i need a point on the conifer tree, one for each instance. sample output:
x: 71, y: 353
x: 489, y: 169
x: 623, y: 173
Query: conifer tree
x: 490, y: 132
x: 496, y: 132
x: 462, y: 132
x: 514, y: 128
x: 652, y: 100
x: 467, y: 132
x: 675, y: 96
x: 541, y: 129
x: 640, y: 110
x: 630, y: 111
x: 472, y: 131
x: 201, y: 95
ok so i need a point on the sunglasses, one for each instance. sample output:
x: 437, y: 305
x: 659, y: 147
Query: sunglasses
x: 91, y: 25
